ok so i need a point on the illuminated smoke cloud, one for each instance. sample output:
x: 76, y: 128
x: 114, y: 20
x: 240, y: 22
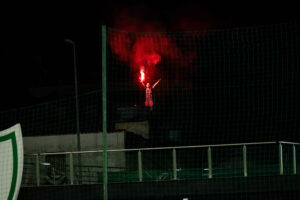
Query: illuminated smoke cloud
x: 145, y: 43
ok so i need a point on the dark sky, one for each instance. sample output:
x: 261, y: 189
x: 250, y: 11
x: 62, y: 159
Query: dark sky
x: 35, y: 54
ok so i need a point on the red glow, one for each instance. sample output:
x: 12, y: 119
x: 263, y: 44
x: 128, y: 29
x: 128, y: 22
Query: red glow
x: 145, y: 41
x: 149, y: 60
x: 144, y: 51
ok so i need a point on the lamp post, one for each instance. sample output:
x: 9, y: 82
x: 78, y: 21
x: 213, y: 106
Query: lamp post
x: 76, y: 104
x: 76, y: 92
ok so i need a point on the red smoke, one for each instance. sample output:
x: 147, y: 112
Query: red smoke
x: 138, y: 47
x: 143, y: 49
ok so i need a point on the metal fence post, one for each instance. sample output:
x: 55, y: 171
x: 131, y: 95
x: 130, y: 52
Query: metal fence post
x: 209, y: 163
x: 37, y: 169
x: 104, y: 113
x: 174, y: 165
x: 280, y: 159
x: 245, y: 160
x: 294, y: 160
x: 140, y: 166
x: 71, y: 169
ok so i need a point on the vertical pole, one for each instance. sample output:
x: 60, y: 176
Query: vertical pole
x: 37, y: 169
x: 280, y: 159
x: 245, y: 160
x: 104, y: 113
x: 209, y: 163
x: 76, y: 104
x: 294, y: 160
x: 53, y: 174
x: 140, y: 166
x: 77, y: 112
x: 71, y: 169
x: 174, y: 165
x: 76, y: 97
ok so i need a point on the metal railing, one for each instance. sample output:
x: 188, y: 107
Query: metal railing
x: 210, y: 149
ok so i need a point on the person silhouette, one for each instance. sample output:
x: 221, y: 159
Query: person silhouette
x: 148, y: 94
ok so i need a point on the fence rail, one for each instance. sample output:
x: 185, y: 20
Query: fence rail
x: 91, y: 169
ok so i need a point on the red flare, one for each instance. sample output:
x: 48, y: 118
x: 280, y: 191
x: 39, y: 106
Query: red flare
x: 142, y: 74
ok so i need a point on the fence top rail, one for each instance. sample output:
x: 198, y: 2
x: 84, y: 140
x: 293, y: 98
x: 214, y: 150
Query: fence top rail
x: 284, y: 142
x: 161, y: 148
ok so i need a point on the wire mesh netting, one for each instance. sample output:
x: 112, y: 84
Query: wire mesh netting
x: 176, y: 95
x: 215, y: 86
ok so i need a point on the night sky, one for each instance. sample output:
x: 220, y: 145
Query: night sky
x: 35, y: 55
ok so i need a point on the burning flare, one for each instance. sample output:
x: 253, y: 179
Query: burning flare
x: 142, y: 74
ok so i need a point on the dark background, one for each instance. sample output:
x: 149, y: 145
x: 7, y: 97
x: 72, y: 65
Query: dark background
x: 36, y: 64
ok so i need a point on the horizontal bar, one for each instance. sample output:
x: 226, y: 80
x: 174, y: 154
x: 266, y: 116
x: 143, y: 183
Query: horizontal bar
x: 156, y: 148
x: 284, y: 142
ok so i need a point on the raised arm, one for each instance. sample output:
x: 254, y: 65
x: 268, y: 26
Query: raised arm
x: 153, y: 86
x: 143, y: 84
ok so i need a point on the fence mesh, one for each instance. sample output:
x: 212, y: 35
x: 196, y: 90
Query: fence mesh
x: 175, y: 89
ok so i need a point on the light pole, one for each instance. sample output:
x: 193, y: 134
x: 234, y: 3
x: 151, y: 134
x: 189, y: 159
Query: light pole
x: 76, y: 104
x: 76, y: 92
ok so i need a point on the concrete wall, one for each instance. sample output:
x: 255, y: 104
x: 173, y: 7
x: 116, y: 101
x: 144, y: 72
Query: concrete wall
x: 86, y: 171
x: 63, y: 143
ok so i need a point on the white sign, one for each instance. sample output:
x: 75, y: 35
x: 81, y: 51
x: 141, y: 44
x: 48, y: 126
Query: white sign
x: 11, y: 162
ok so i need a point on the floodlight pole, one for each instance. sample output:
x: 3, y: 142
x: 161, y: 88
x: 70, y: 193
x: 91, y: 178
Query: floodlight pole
x: 76, y: 92
x: 76, y: 103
